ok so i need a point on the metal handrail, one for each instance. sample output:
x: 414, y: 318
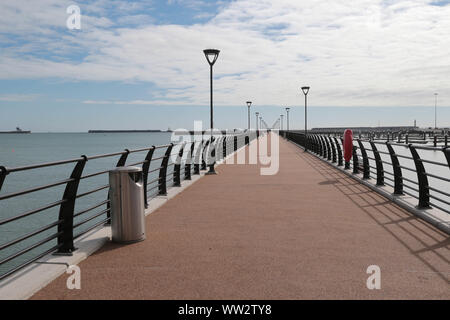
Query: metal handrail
x: 65, y: 224
x: 318, y: 143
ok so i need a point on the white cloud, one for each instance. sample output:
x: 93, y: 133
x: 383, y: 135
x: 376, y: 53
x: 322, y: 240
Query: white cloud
x: 351, y: 53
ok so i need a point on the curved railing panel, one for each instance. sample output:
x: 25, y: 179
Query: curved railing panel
x: 71, y: 196
x: 419, y: 171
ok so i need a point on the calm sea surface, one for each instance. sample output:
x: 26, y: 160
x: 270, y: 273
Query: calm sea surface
x: 25, y: 149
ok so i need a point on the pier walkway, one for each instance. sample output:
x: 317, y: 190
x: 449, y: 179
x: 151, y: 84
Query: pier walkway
x: 308, y: 232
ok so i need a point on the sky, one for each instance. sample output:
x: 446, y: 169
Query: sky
x: 140, y: 65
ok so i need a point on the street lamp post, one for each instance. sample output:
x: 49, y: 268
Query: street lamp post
x: 211, y: 56
x: 287, y: 119
x: 435, y: 110
x: 305, y: 92
x: 249, y: 104
x: 281, y: 118
x: 260, y: 122
x: 256, y: 123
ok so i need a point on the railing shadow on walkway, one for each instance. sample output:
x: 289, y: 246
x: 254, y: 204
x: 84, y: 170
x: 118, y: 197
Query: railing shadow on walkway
x: 367, y: 199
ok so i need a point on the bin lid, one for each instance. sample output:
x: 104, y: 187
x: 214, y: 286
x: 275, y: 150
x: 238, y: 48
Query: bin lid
x: 126, y: 169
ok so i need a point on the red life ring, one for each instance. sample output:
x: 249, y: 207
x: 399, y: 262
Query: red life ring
x: 348, y: 145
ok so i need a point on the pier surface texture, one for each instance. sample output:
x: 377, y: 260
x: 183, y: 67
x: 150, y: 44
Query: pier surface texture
x: 308, y: 232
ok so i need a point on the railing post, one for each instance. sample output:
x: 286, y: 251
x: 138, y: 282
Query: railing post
x: 211, y: 153
x: 145, y: 168
x: 66, y: 211
x: 188, y: 164
x: 446, y: 140
x: 398, y: 178
x: 321, y: 151
x: 162, y: 183
x: 328, y: 148
x: 435, y: 140
x: 378, y: 163
x: 316, y: 144
x: 446, y: 151
x: 424, y: 191
x: 3, y: 174
x: 123, y: 158
x: 235, y: 143
x: 333, y: 148
x: 177, y: 168
x: 313, y: 143
x: 219, y: 148
x: 366, y: 168
x: 224, y: 146
x: 339, y: 150
x: 197, y: 157
x: 355, y: 160
x: 205, y: 146
x: 325, y: 148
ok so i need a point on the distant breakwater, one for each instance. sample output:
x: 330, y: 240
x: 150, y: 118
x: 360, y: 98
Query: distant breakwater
x: 124, y: 131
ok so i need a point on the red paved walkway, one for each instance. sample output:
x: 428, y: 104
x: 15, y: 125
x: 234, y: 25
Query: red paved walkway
x: 308, y: 232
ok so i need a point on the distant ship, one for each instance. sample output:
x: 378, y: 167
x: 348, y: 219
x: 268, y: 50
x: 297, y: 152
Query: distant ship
x: 18, y: 130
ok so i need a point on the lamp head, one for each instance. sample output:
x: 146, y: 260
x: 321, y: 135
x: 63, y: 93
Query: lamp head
x: 211, y: 55
x: 257, y: 113
x: 287, y: 109
x: 305, y: 90
x: 249, y: 103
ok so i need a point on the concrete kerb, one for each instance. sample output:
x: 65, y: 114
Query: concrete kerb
x: 435, y: 217
x: 29, y: 280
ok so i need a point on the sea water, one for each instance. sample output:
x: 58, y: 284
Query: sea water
x: 27, y: 149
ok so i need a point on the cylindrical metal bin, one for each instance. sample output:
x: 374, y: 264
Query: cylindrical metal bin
x: 127, y: 204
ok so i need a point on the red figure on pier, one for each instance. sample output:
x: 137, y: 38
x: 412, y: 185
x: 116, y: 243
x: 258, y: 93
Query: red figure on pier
x: 348, y: 147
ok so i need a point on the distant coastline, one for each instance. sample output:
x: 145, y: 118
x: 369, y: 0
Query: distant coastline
x: 18, y: 130
x: 125, y: 131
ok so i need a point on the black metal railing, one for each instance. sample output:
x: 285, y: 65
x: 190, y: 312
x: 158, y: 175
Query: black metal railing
x: 163, y: 166
x: 419, y: 171
x: 436, y: 138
